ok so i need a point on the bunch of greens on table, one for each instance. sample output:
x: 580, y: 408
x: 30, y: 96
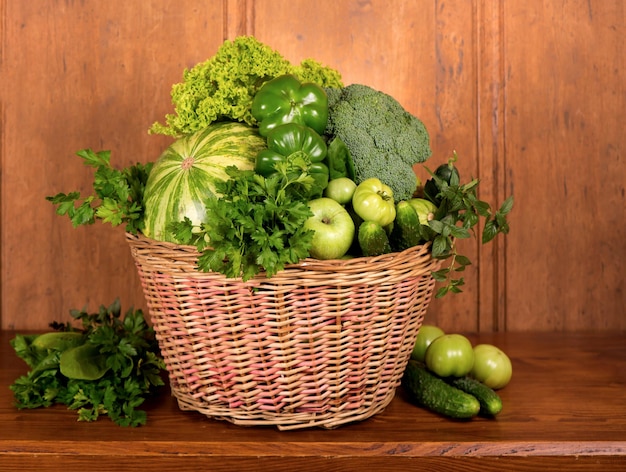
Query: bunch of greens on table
x: 109, y: 366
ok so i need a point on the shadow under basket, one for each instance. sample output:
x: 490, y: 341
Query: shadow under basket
x: 321, y: 343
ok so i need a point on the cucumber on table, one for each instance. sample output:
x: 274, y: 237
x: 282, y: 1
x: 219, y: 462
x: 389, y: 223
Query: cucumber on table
x: 432, y: 392
x: 490, y: 401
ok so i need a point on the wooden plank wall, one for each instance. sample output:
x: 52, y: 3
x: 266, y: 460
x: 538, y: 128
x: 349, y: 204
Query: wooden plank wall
x: 530, y: 93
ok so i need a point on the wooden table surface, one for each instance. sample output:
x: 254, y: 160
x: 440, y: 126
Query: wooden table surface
x: 565, y: 409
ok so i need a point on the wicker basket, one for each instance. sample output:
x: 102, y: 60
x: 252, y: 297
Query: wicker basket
x: 322, y: 343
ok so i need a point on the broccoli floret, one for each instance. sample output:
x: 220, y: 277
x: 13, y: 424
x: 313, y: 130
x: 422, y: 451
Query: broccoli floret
x: 222, y: 88
x: 384, y: 139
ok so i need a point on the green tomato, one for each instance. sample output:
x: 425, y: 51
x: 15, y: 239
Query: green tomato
x: 450, y: 355
x: 491, y: 366
x: 426, y: 335
x: 340, y: 190
x: 373, y: 201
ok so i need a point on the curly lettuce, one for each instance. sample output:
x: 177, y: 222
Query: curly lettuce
x: 222, y: 88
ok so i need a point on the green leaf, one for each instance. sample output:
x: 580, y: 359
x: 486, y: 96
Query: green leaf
x: 182, y: 231
x: 436, y: 226
x: 442, y: 291
x: 462, y: 260
x: 470, y: 186
x: 482, y: 208
x: 95, y: 159
x: 440, y: 275
x: 25, y: 350
x: 469, y: 220
x: 490, y: 231
x: 455, y: 289
x: 83, y: 362
x: 458, y: 283
x: 507, y: 206
x: 459, y: 232
x: 257, y: 225
x: 441, y: 246
x: 110, y: 212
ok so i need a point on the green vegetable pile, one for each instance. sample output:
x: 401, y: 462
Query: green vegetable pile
x: 449, y: 376
x: 109, y: 366
x: 322, y: 139
x: 272, y: 162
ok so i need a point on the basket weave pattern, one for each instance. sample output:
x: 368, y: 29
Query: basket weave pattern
x: 321, y: 343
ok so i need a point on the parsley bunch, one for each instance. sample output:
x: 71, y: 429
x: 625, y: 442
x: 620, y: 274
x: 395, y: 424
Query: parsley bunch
x: 258, y: 223
x: 458, y: 213
x: 110, y: 369
x: 117, y: 197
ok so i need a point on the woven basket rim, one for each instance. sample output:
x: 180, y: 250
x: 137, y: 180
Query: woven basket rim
x: 365, y: 263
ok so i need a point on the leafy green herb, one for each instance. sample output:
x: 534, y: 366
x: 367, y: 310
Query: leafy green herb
x: 117, y: 197
x: 459, y: 212
x: 110, y: 371
x: 257, y: 225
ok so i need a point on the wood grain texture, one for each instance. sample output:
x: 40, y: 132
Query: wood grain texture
x: 82, y: 75
x: 530, y: 94
x: 565, y: 409
x: 565, y: 96
x: 491, y: 163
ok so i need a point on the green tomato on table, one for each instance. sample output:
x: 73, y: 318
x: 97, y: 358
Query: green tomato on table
x: 426, y: 335
x: 450, y: 355
x: 491, y: 366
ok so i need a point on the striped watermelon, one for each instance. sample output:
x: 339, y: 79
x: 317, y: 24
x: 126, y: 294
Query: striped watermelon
x: 184, y: 175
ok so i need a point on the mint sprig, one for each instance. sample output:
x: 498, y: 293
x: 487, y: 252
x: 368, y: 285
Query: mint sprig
x: 459, y: 212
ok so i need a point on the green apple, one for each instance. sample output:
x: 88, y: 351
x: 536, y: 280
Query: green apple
x: 333, y: 227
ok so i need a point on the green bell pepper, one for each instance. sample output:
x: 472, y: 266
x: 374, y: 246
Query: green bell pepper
x: 291, y: 138
x: 285, y: 100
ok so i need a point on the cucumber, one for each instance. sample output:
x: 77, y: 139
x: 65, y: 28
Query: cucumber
x: 490, y: 401
x: 432, y: 392
x: 58, y: 340
x: 373, y: 239
x: 406, y: 229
